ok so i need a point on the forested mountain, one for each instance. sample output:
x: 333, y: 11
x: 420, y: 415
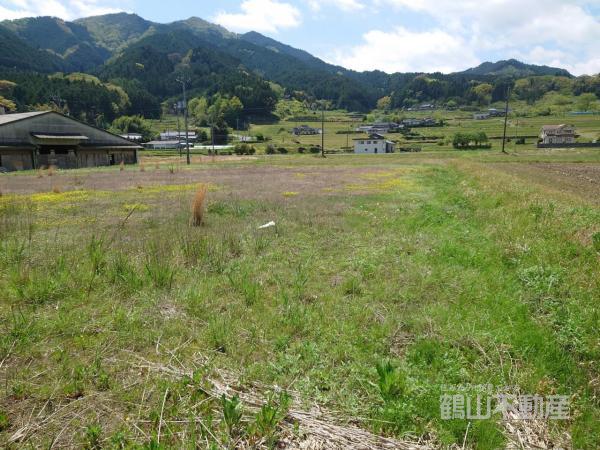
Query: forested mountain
x: 15, y: 53
x: 144, y: 60
x: 114, y: 31
x: 70, y: 41
x: 515, y: 68
x: 156, y: 62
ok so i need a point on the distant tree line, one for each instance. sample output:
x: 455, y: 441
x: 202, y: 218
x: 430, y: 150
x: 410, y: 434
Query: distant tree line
x: 472, y: 140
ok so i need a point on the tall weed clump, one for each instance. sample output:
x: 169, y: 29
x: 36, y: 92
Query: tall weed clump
x: 242, y: 281
x: 596, y: 242
x: 159, y: 268
x: 198, y: 205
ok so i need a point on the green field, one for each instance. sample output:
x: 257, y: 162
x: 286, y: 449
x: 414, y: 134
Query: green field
x: 338, y: 123
x: 385, y: 278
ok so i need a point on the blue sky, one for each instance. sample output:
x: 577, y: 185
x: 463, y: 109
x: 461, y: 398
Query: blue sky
x: 390, y: 35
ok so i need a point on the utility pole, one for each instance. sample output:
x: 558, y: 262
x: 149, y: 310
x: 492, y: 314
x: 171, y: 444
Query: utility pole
x: 348, y: 136
x: 212, y: 136
x: 505, y: 121
x: 183, y: 82
x: 178, y: 128
x: 323, y: 130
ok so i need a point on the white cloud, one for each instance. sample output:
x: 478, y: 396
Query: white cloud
x: 65, y: 9
x: 553, y: 32
x: 402, y: 50
x: 560, y: 58
x: 344, y: 5
x: 261, y: 15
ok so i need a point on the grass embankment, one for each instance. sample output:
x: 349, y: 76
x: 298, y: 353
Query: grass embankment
x: 453, y: 274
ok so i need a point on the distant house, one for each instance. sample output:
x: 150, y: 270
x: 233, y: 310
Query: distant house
x: 375, y: 143
x: 305, y: 130
x: 557, y: 134
x: 133, y: 137
x: 427, y: 122
x: 426, y: 107
x: 163, y: 145
x: 379, y: 127
x: 173, y: 135
x: 493, y: 112
x: 481, y: 116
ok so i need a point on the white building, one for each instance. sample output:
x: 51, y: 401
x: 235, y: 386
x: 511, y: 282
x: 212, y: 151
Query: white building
x: 163, y: 145
x: 375, y: 143
x: 558, y: 134
x: 134, y: 137
x: 172, y: 135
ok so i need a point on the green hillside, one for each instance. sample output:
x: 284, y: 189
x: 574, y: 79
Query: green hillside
x: 15, y: 53
x: 515, y: 68
x: 113, y: 31
x: 144, y: 58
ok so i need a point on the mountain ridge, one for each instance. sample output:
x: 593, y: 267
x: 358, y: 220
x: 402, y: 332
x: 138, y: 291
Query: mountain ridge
x: 516, y: 68
x: 113, y: 32
x: 141, y: 55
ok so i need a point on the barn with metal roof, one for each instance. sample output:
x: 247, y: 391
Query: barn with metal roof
x: 47, y: 138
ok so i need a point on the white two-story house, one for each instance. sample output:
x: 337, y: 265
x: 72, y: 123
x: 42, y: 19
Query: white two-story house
x: 375, y: 143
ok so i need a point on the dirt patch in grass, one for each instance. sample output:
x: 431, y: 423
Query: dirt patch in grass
x: 583, y: 180
x: 266, y: 181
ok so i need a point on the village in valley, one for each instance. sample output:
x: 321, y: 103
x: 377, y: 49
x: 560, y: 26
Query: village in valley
x: 210, y: 239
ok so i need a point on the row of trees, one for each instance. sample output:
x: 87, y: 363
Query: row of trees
x: 82, y: 96
x: 206, y: 112
x: 470, y: 140
x: 408, y: 90
x: 133, y: 124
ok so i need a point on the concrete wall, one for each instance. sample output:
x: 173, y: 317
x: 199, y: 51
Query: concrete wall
x: 573, y: 145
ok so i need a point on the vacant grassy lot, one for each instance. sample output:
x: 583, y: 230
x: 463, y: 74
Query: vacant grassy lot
x: 384, y: 279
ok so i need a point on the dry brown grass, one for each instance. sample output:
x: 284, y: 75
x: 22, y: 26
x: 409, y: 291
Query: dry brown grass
x: 198, y: 205
x: 142, y: 167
